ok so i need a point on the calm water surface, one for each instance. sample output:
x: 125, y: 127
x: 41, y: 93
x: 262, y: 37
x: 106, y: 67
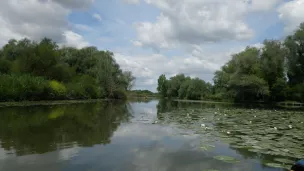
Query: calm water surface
x: 149, y: 136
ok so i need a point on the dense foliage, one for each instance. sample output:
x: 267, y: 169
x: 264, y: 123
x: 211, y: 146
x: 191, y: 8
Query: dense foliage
x: 183, y: 87
x: 141, y: 93
x: 274, y: 72
x: 42, y: 71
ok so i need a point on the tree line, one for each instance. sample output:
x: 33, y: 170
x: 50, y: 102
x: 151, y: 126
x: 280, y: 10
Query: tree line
x: 42, y: 70
x: 142, y: 93
x: 183, y: 87
x: 274, y: 72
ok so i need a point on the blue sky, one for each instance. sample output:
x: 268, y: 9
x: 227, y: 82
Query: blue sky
x: 152, y: 37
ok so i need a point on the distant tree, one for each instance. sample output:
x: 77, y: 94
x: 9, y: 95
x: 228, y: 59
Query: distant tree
x: 162, y: 85
x: 182, y: 92
x: 196, y: 89
x: 128, y: 80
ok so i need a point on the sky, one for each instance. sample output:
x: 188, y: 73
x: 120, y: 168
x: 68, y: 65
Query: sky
x: 154, y: 37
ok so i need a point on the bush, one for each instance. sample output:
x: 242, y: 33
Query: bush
x: 119, y: 94
x: 83, y: 87
x: 22, y: 87
x: 296, y: 92
x: 58, y: 90
x: 61, y: 72
x: 5, y: 66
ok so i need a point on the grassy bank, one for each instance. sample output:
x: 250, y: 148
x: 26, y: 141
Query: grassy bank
x: 203, y: 101
x: 46, y: 103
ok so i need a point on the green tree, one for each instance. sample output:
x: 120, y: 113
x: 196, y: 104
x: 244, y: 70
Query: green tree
x: 110, y: 77
x: 241, y: 78
x: 196, y: 89
x: 182, y: 92
x: 162, y: 85
x: 82, y: 73
x: 272, y: 66
x: 295, y: 56
x: 248, y: 88
x: 174, y: 84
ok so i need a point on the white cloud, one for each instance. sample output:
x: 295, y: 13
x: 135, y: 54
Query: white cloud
x: 147, y: 68
x: 292, y: 14
x: 75, y: 4
x: 36, y: 19
x: 82, y: 27
x: 264, y: 5
x: 131, y: 1
x: 137, y: 43
x: 74, y: 40
x: 97, y: 17
x: 198, y: 61
x: 195, y: 22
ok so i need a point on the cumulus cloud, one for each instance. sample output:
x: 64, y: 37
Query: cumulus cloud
x: 291, y: 14
x: 36, y: 19
x: 194, y: 22
x: 74, y: 4
x: 74, y: 40
x: 199, y: 21
x: 147, y: 68
x: 264, y: 5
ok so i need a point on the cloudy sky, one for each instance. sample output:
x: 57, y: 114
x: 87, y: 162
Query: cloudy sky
x: 151, y: 37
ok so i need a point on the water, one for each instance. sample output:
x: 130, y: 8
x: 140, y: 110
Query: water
x: 149, y: 136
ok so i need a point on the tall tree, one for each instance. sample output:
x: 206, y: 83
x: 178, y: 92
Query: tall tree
x: 295, y: 56
x: 272, y: 67
x: 162, y: 85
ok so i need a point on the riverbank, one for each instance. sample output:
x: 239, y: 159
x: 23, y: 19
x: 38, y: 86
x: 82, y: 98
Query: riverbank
x: 203, y: 101
x: 287, y: 104
x: 43, y: 103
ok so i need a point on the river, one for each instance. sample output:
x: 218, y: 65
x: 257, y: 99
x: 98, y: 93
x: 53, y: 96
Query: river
x: 150, y: 136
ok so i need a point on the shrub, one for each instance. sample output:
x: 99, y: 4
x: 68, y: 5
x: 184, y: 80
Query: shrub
x: 58, y: 90
x: 5, y: 66
x: 83, y: 87
x: 22, y: 87
x: 119, y: 94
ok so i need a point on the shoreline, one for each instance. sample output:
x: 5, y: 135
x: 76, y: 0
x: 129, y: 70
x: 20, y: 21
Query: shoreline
x: 202, y: 101
x: 62, y: 102
x: 46, y: 103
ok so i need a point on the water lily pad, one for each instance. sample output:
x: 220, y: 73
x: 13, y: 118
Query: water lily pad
x: 240, y: 146
x: 283, y: 160
x: 254, y: 150
x: 207, y: 147
x: 274, y: 165
x: 211, y: 170
x: 227, y: 159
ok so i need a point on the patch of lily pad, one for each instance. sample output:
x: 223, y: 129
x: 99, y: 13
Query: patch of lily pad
x: 283, y: 160
x: 227, y: 159
x: 275, y: 133
x: 274, y: 165
x: 207, y: 147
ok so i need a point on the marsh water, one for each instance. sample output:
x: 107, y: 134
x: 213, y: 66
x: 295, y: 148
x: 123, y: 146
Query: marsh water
x: 150, y: 136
